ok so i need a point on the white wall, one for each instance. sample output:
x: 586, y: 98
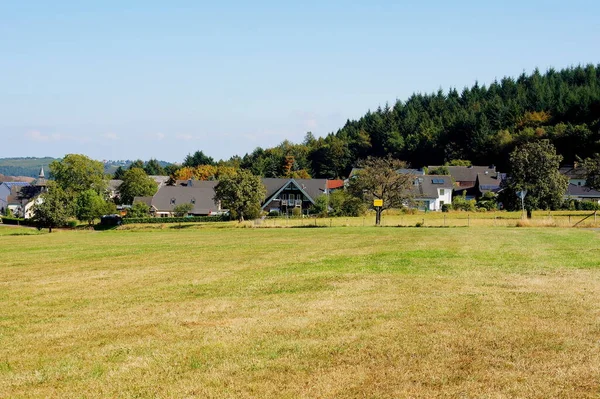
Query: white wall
x: 446, y: 198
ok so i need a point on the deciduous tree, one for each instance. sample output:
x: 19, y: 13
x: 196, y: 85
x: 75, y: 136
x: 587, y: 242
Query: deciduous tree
x: 53, y: 208
x: 136, y: 183
x: 90, y: 206
x: 241, y: 193
x: 78, y: 173
x: 378, y: 178
x: 534, y: 168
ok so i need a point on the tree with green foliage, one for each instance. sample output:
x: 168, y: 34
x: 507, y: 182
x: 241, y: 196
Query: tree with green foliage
x: 138, y: 163
x: 488, y: 201
x: 182, y: 210
x: 153, y: 168
x: 441, y: 170
x: 77, y: 173
x: 136, y: 183
x: 138, y: 210
x: 241, y: 193
x: 90, y: 206
x: 53, y: 208
x: 378, y: 178
x: 119, y: 172
x: 197, y: 159
x: 534, y: 168
x: 592, y: 169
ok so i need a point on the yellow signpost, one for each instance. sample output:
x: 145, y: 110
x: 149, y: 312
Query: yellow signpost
x: 377, y: 204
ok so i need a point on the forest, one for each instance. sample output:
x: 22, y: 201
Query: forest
x: 482, y: 124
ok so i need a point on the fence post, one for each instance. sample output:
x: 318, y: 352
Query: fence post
x: 444, y: 220
x: 468, y: 220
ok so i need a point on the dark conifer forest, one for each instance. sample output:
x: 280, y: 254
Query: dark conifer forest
x: 481, y: 124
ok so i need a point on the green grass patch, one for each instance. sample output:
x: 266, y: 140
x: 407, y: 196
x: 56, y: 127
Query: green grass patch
x: 326, y: 312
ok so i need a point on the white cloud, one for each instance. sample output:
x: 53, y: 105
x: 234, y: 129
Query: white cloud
x: 35, y: 135
x: 186, y: 137
x: 156, y: 136
x: 110, y: 136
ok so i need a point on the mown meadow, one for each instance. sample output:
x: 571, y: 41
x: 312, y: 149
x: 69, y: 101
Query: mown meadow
x: 332, y: 312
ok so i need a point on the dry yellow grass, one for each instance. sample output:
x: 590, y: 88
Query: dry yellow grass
x: 287, y: 313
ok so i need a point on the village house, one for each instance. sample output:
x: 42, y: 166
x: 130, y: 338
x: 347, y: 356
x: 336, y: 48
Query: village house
x: 465, y: 177
x: 431, y: 192
x: 198, y: 193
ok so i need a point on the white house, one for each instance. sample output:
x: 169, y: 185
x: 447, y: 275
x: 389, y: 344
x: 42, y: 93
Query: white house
x: 432, y: 191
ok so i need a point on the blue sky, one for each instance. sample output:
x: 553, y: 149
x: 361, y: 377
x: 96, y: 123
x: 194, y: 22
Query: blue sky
x: 154, y: 79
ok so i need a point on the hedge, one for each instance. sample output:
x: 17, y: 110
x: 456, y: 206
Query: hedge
x: 18, y: 221
x: 195, y: 219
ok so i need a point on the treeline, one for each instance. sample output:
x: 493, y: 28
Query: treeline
x: 481, y: 124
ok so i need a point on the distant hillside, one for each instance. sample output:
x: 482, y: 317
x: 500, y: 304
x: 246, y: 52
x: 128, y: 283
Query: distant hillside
x: 29, y: 167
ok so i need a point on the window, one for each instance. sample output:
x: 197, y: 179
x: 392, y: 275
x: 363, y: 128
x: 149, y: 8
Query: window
x: 172, y: 201
x: 193, y: 201
x: 442, y: 192
x: 283, y: 196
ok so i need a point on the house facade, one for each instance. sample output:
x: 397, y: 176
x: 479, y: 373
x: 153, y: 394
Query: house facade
x: 431, y: 192
x: 575, y: 173
x: 285, y: 195
x: 465, y: 177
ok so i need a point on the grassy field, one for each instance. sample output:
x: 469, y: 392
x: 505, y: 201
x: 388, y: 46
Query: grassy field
x: 285, y: 313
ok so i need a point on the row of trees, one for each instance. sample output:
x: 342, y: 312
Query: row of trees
x: 79, y: 189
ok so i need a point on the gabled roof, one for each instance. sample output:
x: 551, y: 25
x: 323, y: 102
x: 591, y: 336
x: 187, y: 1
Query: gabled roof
x: 11, y: 184
x: 201, y: 197
x: 311, y: 188
x: 466, y: 173
x: 573, y: 190
x: 573, y: 172
x: 160, y: 180
x: 487, y: 182
x: 335, y: 184
x: 427, y: 186
x: 114, y: 184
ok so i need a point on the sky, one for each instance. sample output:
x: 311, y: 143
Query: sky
x: 155, y: 79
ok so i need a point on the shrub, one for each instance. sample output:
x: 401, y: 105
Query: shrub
x: 18, y: 221
x: 587, y: 206
x: 446, y: 207
x: 72, y: 224
x: 296, y: 212
x: 460, y: 203
x: 273, y: 214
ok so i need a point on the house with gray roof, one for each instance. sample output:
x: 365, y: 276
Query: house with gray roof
x: 10, y: 188
x: 285, y: 195
x: 576, y: 174
x: 581, y: 193
x: 199, y: 194
x: 487, y: 182
x: 431, y: 192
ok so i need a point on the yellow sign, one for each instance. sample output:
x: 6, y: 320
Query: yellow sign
x: 378, y: 202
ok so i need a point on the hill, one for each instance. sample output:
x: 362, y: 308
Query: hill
x: 482, y: 124
x: 28, y: 167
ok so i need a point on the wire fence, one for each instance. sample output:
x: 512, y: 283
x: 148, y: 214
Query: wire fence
x: 450, y: 219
